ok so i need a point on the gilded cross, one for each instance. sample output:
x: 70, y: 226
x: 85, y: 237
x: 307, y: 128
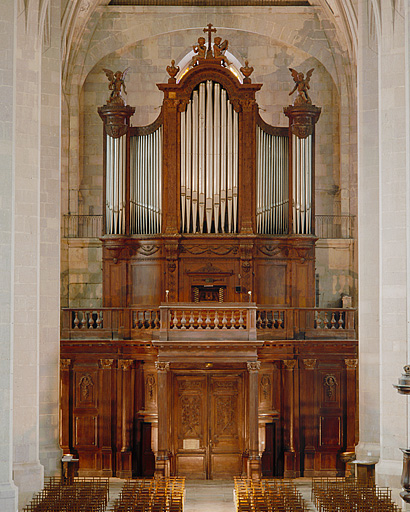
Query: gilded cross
x: 209, y: 30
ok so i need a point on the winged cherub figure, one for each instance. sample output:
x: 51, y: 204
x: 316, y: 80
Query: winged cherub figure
x: 116, y: 85
x: 219, y: 50
x: 302, y: 86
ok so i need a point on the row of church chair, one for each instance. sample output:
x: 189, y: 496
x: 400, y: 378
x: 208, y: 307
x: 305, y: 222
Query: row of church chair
x: 274, y: 495
x: 346, y: 495
x: 81, y: 495
x: 158, y: 495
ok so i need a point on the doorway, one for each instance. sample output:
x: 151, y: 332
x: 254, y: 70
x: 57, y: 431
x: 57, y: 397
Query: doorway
x: 208, y: 424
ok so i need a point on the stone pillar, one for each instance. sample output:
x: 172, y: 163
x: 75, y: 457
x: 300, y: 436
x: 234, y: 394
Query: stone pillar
x: 162, y: 466
x: 291, y: 419
x: 8, y: 491
x: 254, y: 462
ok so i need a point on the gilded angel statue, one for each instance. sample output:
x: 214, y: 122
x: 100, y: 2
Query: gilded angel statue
x: 116, y: 85
x: 302, y: 86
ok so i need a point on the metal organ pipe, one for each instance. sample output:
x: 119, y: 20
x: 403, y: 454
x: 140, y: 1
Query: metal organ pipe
x: 145, y: 183
x: 272, y: 195
x: 115, y: 193
x: 209, y: 153
x: 302, y: 188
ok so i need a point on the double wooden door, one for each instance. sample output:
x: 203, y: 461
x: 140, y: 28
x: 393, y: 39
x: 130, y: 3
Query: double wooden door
x: 208, y: 424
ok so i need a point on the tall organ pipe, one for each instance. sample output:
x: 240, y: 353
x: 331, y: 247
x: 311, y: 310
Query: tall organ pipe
x: 209, y: 161
x: 145, y: 183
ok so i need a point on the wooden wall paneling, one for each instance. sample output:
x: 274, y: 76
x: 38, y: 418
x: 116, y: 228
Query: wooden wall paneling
x: 172, y: 270
x: 271, y: 282
x: 107, y: 387
x: 65, y: 405
x: 115, y: 283
x: 162, y: 464
x: 85, y: 417
x: 146, y: 282
x: 309, y: 423
x: 330, y: 380
x: 147, y: 422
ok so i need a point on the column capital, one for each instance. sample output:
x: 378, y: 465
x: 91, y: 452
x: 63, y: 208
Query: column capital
x: 253, y: 366
x: 106, y: 364
x: 351, y: 364
x: 161, y: 366
x: 126, y: 364
x: 310, y: 364
x: 290, y: 364
x: 65, y: 364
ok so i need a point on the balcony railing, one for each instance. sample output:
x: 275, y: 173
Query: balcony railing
x: 82, y: 226
x: 335, y: 226
x: 90, y: 226
x: 238, y: 321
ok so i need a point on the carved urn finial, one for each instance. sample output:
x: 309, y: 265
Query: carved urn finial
x: 246, y: 71
x: 172, y: 71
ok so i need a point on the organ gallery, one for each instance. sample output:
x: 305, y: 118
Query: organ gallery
x: 209, y: 358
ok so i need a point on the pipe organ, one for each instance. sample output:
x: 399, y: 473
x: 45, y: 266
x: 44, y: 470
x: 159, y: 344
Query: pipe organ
x: 208, y: 294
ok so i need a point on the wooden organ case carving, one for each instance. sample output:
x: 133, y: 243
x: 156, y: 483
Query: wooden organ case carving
x: 208, y: 368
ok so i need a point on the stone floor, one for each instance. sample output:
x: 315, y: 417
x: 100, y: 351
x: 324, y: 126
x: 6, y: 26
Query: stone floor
x: 211, y: 495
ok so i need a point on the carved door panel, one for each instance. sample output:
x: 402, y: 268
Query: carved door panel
x: 190, y: 424
x: 226, y: 425
x: 208, y: 425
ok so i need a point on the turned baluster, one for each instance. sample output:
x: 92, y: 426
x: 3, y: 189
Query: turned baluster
x: 340, y: 321
x: 224, y: 320
x: 333, y: 321
x: 216, y: 320
x: 326, y: 321
x: 91, y: 322
x: 258, y: 320
x: 183, y: 321
x: 191, y: 320
x: 200, y: 320
x: 175, y: 320
x: 99, y: 319
x: 156, y: 320
x: 207, y: 320
x: 232, y: 320
x: 83, y: 320
x: 318, y: 320
x: 76, y: 320
x: 241, y: 320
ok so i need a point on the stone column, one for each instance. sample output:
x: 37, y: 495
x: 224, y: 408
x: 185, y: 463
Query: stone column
x: 254, y: 462
x: 8, y: 491
x: 162, y: 466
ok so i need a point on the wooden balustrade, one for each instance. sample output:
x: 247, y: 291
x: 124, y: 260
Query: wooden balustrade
x: 238, y: 321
